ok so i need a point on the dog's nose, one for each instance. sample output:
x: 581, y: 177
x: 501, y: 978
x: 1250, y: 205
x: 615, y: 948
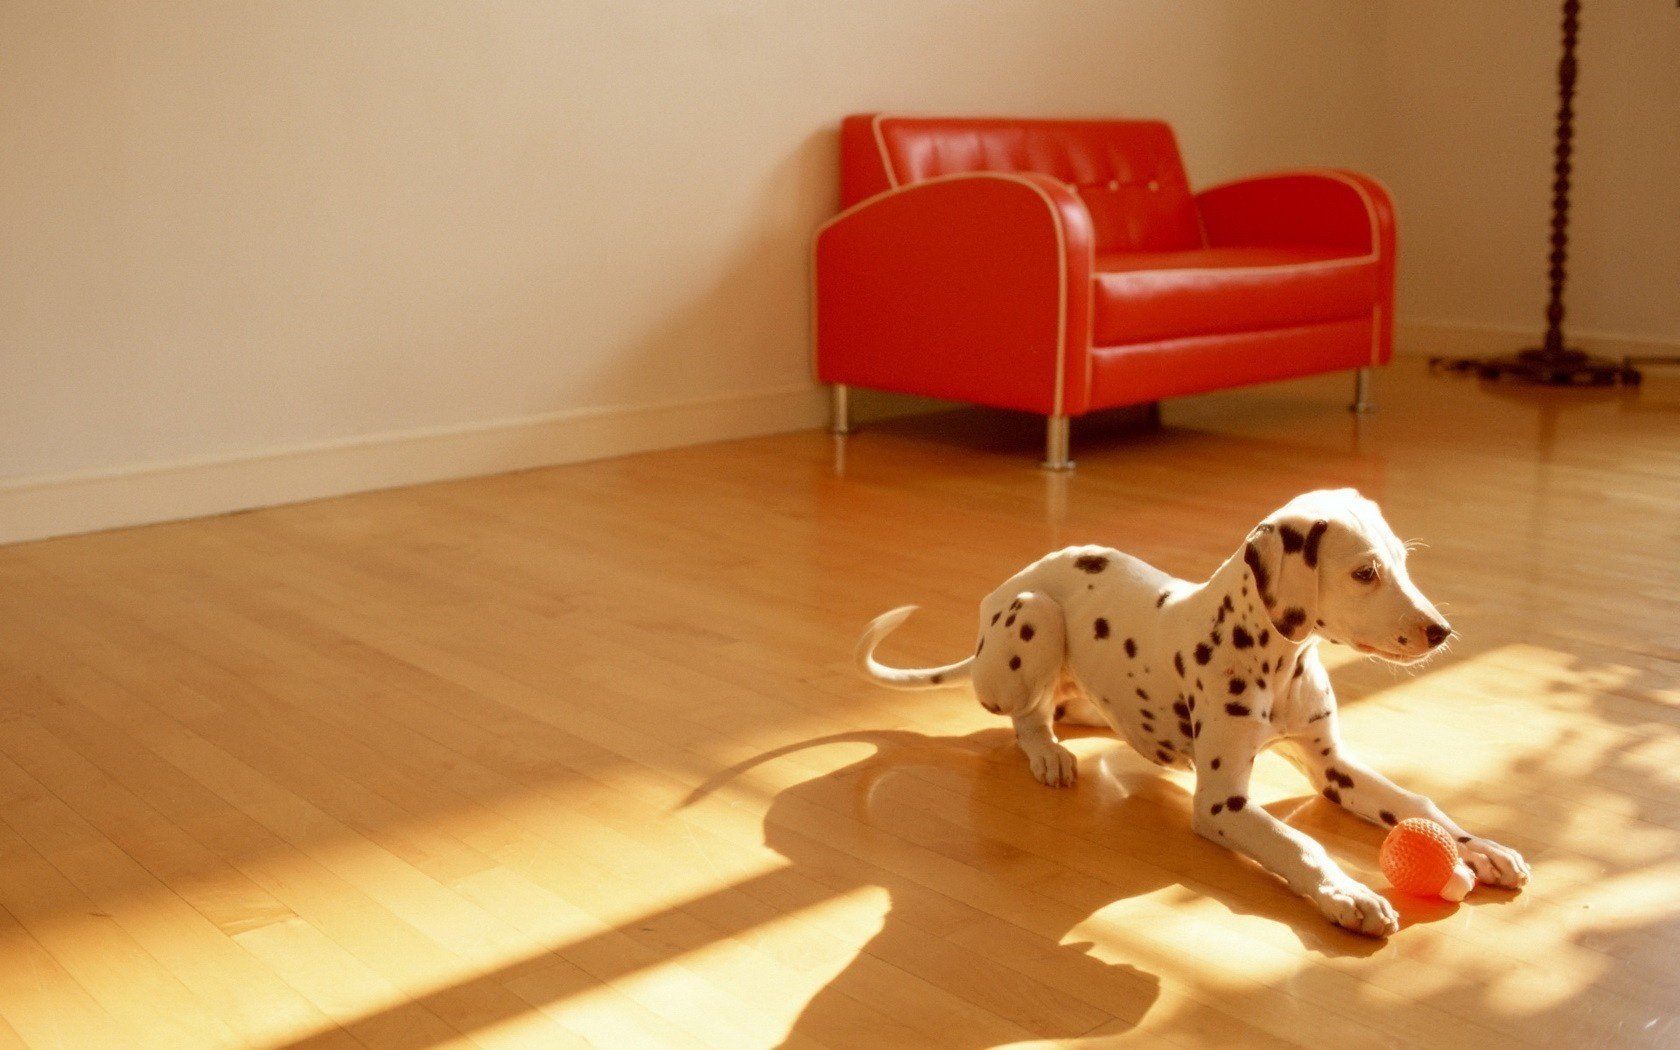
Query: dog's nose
x: 1436, y: 633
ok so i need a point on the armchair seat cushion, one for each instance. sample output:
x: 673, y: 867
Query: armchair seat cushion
x: 1142, y: 297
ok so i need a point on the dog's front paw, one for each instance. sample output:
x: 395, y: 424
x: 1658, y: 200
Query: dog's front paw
x: 1494, y: 864
x: 1054, y: 766
x: 1357, y: 907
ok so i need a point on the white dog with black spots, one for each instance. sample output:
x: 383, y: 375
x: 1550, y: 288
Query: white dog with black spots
x: 1208, y: 675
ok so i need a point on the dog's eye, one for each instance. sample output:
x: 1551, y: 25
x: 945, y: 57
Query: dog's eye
x: 1365, y: 574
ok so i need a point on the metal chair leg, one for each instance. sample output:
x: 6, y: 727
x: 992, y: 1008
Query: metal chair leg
x: 1056, y: 444
x: 1362, y: 392
x: 839, y: 418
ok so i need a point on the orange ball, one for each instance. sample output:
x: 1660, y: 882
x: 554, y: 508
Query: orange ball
x: 1419, y: 858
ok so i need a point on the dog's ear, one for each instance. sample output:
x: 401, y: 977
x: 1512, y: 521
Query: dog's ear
x: 1282, y: 556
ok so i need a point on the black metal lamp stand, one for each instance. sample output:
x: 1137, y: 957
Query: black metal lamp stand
x: 1552, y: 363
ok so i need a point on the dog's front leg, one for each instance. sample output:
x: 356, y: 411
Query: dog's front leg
x: 1364, y: 792
x: 1224, y: 760
x: 1052, y: 764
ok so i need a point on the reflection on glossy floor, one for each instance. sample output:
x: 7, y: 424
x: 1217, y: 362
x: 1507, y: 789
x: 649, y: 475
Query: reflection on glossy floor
x: 575, y: 756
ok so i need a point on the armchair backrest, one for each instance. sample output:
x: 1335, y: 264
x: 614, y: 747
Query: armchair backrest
x: 1128, y: 172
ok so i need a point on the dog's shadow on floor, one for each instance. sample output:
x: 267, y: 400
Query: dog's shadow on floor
x: 997, y: 883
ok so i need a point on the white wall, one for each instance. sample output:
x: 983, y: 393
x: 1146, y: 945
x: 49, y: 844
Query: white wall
x: 259, y: 250
x: 243, y: 229
x: 1469, y: 98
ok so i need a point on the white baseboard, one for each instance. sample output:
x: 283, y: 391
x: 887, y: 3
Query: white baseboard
x: 36, y: 508
x: 1435, y: 338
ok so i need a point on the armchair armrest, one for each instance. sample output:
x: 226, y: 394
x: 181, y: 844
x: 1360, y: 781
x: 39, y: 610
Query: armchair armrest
x: 973, y: 287
x: 1311, y: 209
x: 1319, y: 209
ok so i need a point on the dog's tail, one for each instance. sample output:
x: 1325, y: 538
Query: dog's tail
x: 905, y: 677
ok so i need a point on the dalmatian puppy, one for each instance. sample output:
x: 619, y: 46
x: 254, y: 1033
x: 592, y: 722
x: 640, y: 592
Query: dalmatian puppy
x: 1205, y: 676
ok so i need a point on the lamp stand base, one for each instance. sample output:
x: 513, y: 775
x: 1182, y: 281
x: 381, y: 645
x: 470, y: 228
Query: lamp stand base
x: 1544, y: 367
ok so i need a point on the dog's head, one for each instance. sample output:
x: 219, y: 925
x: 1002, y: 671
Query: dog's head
x: 1327, y: 563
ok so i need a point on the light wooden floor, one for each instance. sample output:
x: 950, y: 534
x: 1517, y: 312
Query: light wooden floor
x: 575, y: 756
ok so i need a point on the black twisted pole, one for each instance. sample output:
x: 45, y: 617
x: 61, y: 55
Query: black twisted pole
x: 1552, y: 362
x: 1560, y: 186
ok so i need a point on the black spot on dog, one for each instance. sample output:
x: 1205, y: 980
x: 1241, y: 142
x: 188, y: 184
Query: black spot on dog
x: 1163, y: 756
x: 1336, y: 776
x: 1262, y: 579
x: 1265, y: 667
x: 1236, y: 802
x: 1241, y: 638
x: 980, y: 648
x: 1186, y: 728
x: 1388, y: 818
x: 1178, y: 663
x: 936, y: 679
x: 1204, y: 653
x: 1234, y: 708
x: 1266, y: 714
x: 1014, y: 663
x: 1181, y: 709
x: 1237, y: 686
x: 1333, y: 795
x: 1326, y: 751
x: 1292, y: 539
x: 1015, y: 605
x: 1215, y: 638
x: 1265, y: 637
x: 1199, y: 684
x: 1131, y: 647
x: 1142, y: 695
x: 1192, y: 703
x: 1011, y: 621
x: 1162, y: 600
x: 1101, y: 627
x: 995, y: 618
x: 1218, y: 807
x: 1061, y: 709
x: 1309, y: 552
x: 1229, y: 605
x: 1026, y: 632
x: 1319, y: 622
x: 1197, y: 730
x: 1464, y: 838
x: 1220, y: 619
x: 1300, y: 665
x: 1320, y: 715
x: 1216, y: 763
x: 1291, y: 619
x: 1092, y: 563
x: 1259, y: 683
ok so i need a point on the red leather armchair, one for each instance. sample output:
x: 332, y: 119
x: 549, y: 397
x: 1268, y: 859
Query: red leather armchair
x: 1062, y: 266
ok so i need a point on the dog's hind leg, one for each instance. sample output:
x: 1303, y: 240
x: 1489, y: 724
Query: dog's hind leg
x: 1021, y: 653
